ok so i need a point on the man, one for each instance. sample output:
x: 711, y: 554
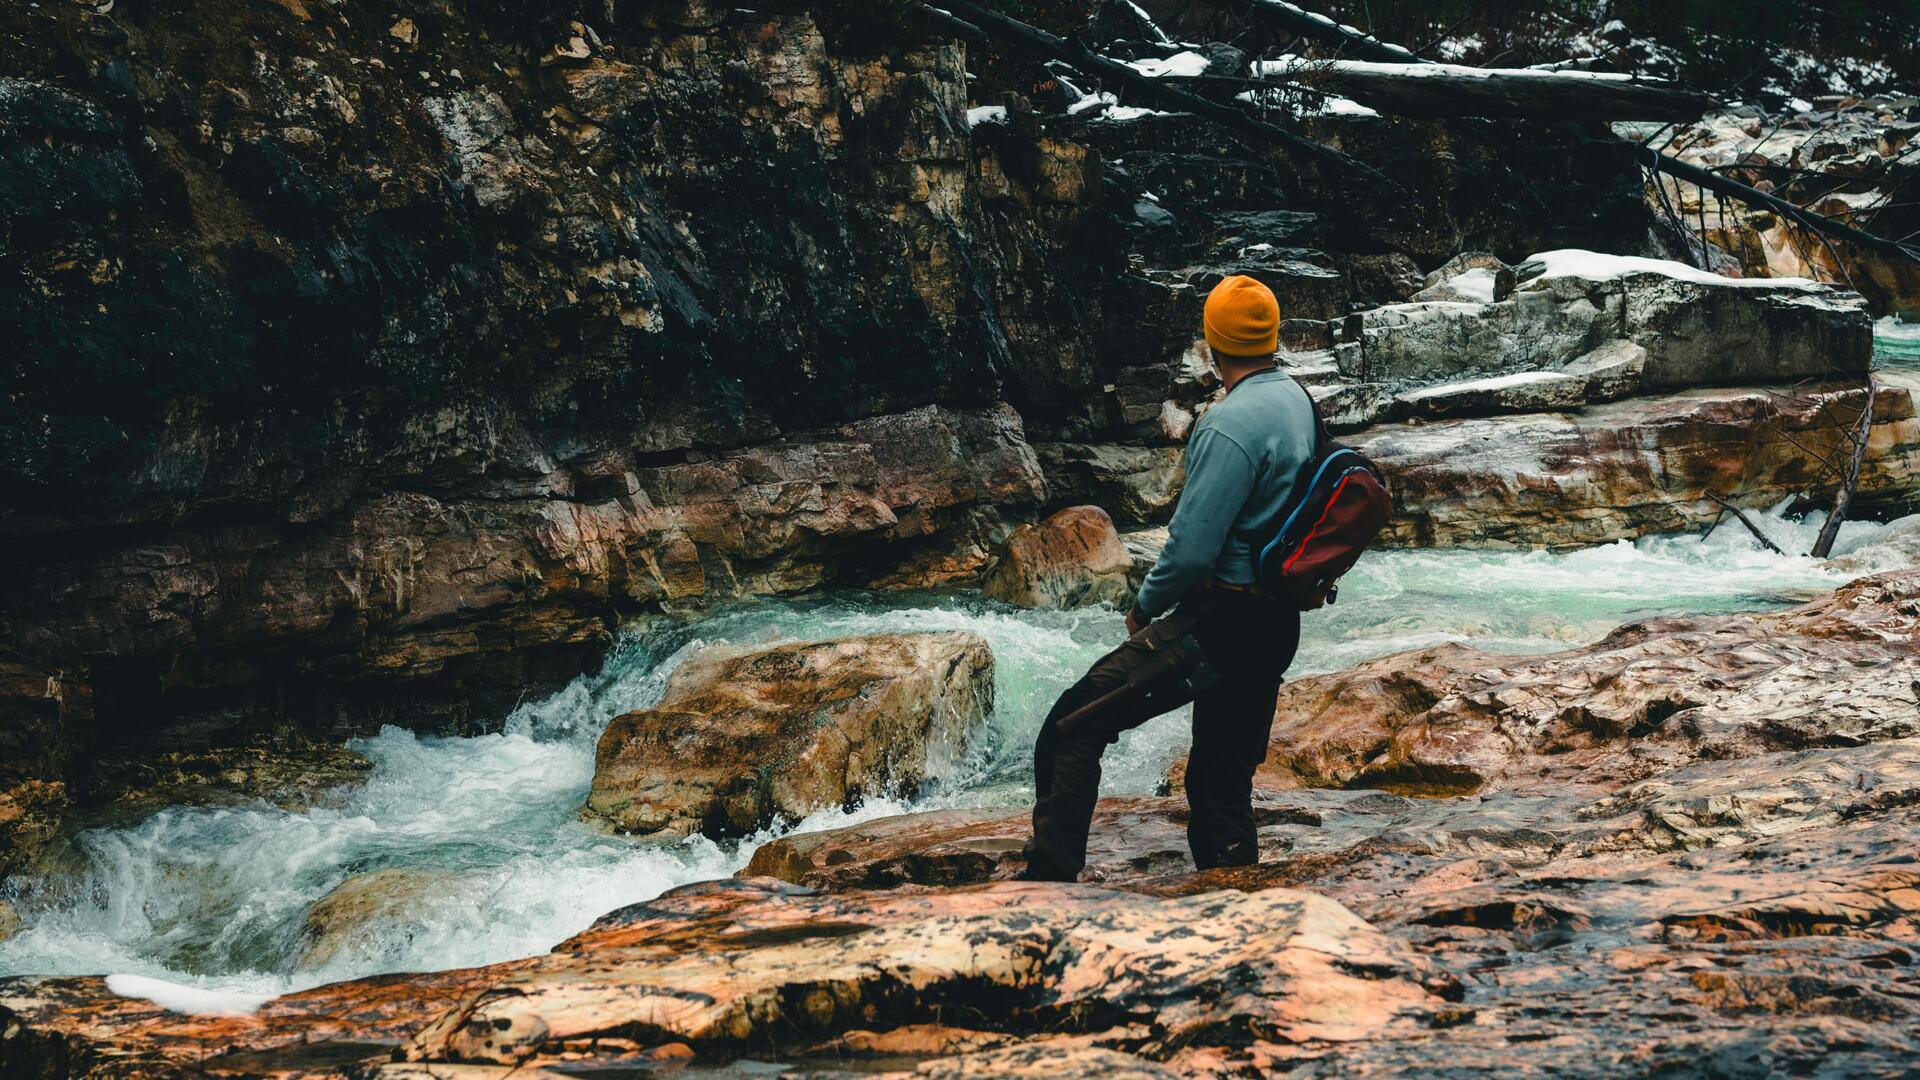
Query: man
x: 1243, y: 460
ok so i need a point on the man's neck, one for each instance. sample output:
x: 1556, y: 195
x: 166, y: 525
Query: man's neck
x: 1232, y: 371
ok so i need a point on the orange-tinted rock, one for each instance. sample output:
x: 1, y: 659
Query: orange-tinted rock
x: 1633, y: 467
x: 743, y: 737
x: 1649, y: 697
x: 1073, y: 558
x: 731, y: 967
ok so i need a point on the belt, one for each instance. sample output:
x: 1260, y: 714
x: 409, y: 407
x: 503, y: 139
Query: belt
x: 1228, y: 586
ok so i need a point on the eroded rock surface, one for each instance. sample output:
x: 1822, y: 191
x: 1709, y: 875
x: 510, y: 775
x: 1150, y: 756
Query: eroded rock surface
x: 743, y: 737
x: 729, y: 967
x: 1648, y: 698
x: 1637, y: 466
x: 1071, y: 559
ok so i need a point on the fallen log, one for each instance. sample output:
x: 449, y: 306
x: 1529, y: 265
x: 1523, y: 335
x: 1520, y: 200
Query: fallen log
x: 1440, y: 90
x: 973, y: 21
x: 970, y: 19
x: 1349, y: 40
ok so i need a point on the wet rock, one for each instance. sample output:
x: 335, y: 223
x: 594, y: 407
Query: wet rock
x: 1632, y: 467
x: 30, y: 813
x: 1047, y: 1061
x: 9, y: 920
x: 1071, y: 559
x: 349, y: 918
x: 743, y: 737
x: 1648, y: 698
x: 1132, y: 837
x: 764, y: 967
x: 1136, y: 484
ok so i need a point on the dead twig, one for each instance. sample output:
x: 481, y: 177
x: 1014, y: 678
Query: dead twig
x: 1765, y: 542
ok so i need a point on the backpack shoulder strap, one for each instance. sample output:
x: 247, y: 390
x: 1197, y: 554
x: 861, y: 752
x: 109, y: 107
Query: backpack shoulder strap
x: 1321, y: 436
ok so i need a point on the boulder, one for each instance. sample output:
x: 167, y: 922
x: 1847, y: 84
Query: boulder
x: 1071, y: 559
x: 1469, y: 277
x: 348, y: 918
x: 1698, y: 329
x: 743, y: 737
x: 1300, y: 966
x: 1650, y: 697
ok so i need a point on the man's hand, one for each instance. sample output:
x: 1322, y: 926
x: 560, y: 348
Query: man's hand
x: 1135, y: 623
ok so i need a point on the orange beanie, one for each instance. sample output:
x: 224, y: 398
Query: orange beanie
x: 1242, y: 318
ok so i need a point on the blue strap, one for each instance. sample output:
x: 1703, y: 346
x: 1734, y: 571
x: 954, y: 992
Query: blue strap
x: 1301, y: 503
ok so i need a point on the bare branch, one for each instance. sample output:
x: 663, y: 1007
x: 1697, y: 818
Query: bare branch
x: 1748, y: 522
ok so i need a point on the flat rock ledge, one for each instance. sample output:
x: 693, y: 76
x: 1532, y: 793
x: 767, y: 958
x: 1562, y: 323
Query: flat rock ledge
x: 1079, y: 975
x: 743, y: 737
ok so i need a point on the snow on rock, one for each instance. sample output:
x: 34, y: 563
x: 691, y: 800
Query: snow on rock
x: 1476, y: 285
x: 1288, y: 64
x: 1092, y: 101
x: 192, y: 1000
x: 1182, y: 65
x: 1592, y: 265
x: 986, y: 114
x: 1339, y: 106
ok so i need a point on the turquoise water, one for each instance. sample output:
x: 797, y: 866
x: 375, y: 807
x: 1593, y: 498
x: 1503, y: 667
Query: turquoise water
x: 215, y: 898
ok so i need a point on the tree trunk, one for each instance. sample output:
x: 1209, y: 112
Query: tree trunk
x: 1439, y: 90
x: 1842, y: 499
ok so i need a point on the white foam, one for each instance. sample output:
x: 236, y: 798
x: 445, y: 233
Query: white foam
x: 1892, y: 328
x: 181, y: 998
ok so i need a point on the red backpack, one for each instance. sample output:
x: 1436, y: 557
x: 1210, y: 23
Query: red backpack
x: 1340, y: 504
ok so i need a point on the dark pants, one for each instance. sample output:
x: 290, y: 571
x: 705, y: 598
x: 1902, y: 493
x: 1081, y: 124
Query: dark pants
x: 1249, y: 640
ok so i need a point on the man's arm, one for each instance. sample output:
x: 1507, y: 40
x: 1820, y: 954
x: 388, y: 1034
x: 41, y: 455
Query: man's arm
x: 1219, y: 479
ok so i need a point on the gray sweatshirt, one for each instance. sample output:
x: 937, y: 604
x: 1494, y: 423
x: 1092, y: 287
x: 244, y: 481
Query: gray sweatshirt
x: 1243, y: 460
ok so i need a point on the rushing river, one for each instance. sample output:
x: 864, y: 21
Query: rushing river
x: 1896, y: 344
x: 215, y: 898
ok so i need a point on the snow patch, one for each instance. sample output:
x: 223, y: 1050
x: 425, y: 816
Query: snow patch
x: 1475, y: 284
x: 1183, y: 65
x: 1491, y: 383
x: 1092, y: 101
x: 1592, y: 265
x: 193, y: 1000
x: 986, y: 114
